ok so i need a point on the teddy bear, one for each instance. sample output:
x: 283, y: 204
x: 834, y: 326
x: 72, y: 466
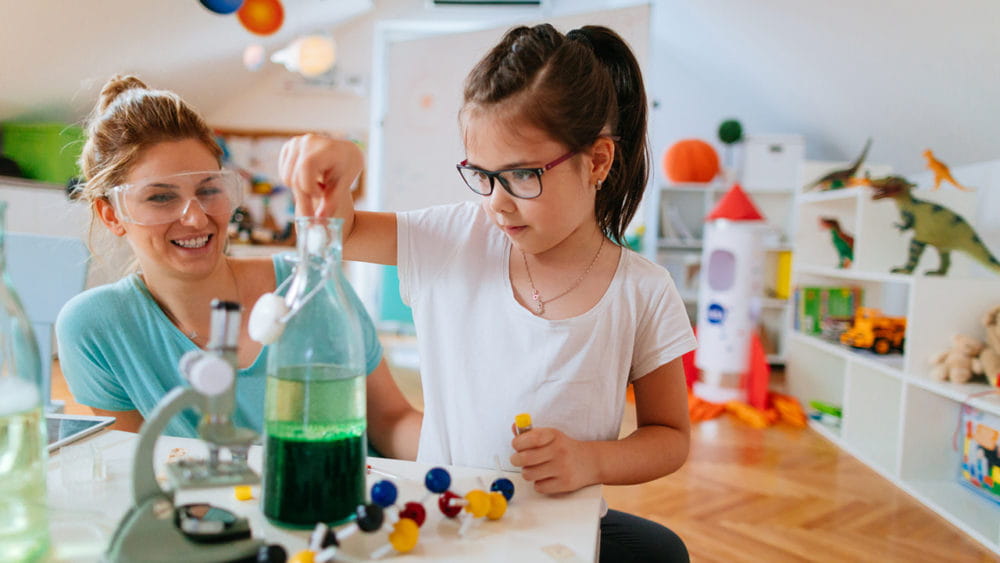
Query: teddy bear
x: 956, y: 364
x: 988, y: 362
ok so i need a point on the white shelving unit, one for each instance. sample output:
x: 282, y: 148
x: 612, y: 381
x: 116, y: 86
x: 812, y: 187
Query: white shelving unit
x: 675, y: 242
x: 895, y: 418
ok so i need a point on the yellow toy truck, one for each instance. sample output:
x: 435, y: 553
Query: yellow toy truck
x: 873, y: 331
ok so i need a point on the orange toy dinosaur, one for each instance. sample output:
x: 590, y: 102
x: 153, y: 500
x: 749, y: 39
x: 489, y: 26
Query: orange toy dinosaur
x: 941, y: 172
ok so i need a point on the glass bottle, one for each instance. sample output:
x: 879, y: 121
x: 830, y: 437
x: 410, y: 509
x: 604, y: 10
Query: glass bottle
x: 24, y: 530
x: 314, y: 415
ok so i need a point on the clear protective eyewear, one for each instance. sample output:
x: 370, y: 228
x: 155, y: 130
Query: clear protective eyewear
x: 165, y: 199
x: 522, y: 183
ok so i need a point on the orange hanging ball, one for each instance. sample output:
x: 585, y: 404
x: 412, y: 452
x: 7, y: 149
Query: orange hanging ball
x: 262, y: 17
x: 691, y: 160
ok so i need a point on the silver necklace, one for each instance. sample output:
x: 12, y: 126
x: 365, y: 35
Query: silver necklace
x: 193, y: 336
x: 537, y: 297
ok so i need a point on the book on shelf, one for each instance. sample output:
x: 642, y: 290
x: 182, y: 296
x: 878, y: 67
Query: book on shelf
x: 821, y: 310
x: 672, y: 226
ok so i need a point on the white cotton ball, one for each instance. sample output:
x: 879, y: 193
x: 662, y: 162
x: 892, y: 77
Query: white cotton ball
x: 265, y: 324
x: 315, y: 239
x: 211, y: 375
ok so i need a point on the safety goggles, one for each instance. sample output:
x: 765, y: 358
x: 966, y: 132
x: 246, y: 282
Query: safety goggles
x: 165, y: 199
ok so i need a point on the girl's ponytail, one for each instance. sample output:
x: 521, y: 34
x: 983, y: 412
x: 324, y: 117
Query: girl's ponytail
x: 619, y: 197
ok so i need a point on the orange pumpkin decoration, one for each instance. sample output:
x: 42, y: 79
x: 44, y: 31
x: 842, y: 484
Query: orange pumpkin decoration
x: 691, y: 160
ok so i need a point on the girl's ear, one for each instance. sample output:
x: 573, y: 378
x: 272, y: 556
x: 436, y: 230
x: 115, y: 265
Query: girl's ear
x: 108, y: 216
x: 601, y: 156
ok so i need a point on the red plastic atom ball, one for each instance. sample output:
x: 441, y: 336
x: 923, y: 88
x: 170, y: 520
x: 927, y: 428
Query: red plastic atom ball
x: 444, y: 504
x: 414, y: 511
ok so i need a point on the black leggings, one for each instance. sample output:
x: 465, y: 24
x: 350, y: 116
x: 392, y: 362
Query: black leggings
x: 626, y: 538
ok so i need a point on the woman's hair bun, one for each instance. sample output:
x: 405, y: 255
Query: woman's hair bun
x: 114, y: 88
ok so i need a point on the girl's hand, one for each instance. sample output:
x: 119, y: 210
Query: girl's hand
x: 320, y: 171
x: 553, y: 461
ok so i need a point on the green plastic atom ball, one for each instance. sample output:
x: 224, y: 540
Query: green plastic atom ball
x: 730, y: 131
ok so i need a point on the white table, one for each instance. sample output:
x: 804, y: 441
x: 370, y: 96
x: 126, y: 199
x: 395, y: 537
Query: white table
x: 85, y: 512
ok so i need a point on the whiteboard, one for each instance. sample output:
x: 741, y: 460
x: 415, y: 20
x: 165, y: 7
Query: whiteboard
x: 421, y: 142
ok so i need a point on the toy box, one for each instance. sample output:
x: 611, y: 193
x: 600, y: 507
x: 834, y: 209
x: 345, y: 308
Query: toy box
x: 980, y: 470
x: 772, y: 162
x: 44, y: 151
x: 814, y: 306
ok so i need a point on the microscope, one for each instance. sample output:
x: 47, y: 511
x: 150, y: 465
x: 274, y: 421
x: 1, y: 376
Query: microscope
x: 155, y: 529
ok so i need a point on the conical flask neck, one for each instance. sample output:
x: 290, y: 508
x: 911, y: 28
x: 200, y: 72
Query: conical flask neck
x: 318, y: 240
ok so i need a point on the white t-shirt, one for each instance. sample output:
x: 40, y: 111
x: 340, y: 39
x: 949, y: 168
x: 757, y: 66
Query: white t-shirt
x: 484, y: 358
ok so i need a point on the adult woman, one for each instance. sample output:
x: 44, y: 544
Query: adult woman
x: 153, y: 177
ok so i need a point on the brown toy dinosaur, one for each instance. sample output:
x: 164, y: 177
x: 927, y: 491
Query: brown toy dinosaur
x: 841, y: 178
x: 932, y: 224
x: 941, y: 172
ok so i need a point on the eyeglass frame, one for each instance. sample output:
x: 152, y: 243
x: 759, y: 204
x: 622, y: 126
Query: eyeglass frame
x: 496, y: 175
x: 114, y: 195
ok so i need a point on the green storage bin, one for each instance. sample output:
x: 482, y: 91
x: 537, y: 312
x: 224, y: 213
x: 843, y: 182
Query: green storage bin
x: 45, y: 151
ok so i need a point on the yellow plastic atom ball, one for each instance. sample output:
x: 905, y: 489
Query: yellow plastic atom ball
x: 304, y: 556
x: 243, y: 492
x: 523, y: 421
x: 404, y: 535
x: 498, y: 505
x: 479, y: 503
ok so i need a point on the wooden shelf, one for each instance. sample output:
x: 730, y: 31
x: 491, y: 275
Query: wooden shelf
x: 896, y: 419
x: 891, y: 364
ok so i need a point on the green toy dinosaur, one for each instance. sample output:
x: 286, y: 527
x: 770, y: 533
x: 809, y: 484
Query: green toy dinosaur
x: 843, y: 242
x: 932, y: 224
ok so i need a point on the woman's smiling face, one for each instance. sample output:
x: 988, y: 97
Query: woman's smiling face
x: 193, y: 243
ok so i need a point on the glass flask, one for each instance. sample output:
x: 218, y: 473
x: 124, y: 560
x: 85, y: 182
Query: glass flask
x: 24, y: 530
x: 314, y: 415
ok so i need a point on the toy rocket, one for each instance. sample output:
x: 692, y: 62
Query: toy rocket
x: 729, y: 295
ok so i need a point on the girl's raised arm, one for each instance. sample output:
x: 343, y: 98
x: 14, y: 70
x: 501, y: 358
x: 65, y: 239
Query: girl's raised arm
x: 320, y: 172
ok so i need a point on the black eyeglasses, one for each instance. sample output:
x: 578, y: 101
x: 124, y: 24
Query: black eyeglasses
x: 523, y: 183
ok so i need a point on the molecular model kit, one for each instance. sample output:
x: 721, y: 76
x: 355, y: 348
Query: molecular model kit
x: 402, y: 521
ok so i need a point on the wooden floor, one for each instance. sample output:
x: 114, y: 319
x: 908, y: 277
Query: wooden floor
x: 779, y: 494
x: 786, y: 494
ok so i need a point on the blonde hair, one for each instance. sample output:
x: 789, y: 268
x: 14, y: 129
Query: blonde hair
x: 128, y: 118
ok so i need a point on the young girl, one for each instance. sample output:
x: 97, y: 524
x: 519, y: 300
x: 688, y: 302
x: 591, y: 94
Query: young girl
x: 153, y: 176
x: 527, y: 303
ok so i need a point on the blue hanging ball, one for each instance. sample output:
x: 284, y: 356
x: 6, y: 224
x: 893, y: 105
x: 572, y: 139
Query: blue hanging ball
x: 222, y: 6
x: 438, y: 480
x: 384, y: 493
x: 504, y: 486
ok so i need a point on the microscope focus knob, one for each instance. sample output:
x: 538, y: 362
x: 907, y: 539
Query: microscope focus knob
x: 211, y: 375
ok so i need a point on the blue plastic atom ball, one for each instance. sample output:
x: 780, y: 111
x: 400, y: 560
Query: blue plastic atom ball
x: 384, y: 493
x: 504, y: 486
x: 438, y: 480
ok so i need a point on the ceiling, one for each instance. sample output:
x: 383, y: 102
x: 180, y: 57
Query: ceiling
x: 56, y: 54
x: 911, y: 74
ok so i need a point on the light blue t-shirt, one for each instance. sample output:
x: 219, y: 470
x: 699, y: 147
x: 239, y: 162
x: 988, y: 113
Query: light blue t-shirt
x: 118, y: 351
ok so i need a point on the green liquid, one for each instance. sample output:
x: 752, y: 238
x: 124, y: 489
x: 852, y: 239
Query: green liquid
x: 24, y: 531
x: 309, y: 482
x: 314, y: 449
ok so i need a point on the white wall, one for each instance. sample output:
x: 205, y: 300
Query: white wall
x: 912, y: 74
